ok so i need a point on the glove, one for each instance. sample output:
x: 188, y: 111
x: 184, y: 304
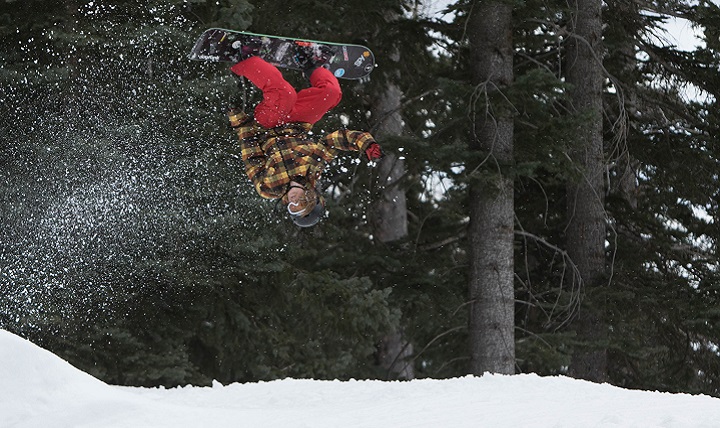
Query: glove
x: 374, y: 152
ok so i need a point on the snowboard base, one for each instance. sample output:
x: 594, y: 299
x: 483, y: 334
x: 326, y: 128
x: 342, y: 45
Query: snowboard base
x: 347, y: 61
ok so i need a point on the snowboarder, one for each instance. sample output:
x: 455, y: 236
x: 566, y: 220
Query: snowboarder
x: 281, y: 159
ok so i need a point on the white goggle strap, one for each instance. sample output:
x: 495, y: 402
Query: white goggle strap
x: 294, y: 204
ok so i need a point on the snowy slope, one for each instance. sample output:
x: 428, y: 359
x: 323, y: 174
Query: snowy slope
x: 38, y: 389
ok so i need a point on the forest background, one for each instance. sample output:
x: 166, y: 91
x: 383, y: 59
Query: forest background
x: 133, y: 246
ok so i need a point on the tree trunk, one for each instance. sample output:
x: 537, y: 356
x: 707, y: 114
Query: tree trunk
x: 490, y: 233
x: 395, y: 354
x: 585, y: 233
x: 390, y: 219
x: 390, y: 211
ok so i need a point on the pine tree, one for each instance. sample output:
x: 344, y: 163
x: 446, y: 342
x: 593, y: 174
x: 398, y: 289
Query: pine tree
x: 490, y: 232
x: 659, y: 234
x: 585, y: 195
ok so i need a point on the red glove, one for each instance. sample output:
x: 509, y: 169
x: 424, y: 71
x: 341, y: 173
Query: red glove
x: 374, y: 152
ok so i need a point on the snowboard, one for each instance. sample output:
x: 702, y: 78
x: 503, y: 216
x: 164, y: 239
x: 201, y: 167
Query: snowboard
x: 348, y: 61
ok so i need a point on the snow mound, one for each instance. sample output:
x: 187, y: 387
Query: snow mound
x: 35, y: 383
x: 27, y: 368
x: 38, y: 389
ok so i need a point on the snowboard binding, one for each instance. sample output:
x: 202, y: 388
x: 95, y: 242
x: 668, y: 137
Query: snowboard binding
x: 310, y: 56
x: 248, y: 48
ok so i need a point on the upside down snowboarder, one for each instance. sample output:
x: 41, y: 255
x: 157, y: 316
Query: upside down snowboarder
x: 281, y: 159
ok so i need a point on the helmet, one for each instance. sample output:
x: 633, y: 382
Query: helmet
x: 301, y: 219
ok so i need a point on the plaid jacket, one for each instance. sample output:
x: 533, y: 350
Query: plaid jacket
x: 274, y: 157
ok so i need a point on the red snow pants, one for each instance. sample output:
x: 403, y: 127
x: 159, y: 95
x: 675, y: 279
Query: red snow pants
x: 281, y: 103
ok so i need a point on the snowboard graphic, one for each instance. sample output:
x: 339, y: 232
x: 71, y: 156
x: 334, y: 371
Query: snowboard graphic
x: 220, y: 45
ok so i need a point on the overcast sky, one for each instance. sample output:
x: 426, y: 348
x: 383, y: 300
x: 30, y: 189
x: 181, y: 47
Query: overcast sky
x: 679, y: 31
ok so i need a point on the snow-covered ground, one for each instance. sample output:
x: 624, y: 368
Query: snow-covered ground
x: 38, y: 389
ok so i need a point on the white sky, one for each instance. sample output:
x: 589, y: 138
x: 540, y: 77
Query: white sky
x: 680, y: 32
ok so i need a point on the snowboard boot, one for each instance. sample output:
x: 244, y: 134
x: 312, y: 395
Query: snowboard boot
x: 310, y: 56
x: 246, y: 50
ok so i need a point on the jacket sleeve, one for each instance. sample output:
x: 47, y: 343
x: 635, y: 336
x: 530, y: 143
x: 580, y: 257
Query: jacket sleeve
x: 347, y: 140
x: 251, y: 152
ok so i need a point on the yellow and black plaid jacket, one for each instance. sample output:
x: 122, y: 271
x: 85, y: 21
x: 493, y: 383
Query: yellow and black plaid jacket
x: 274, y: 157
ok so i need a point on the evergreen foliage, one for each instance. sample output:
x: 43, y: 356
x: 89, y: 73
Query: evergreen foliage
x: 133, y: 245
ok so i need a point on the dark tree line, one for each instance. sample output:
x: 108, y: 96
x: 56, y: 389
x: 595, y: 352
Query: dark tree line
x: 549, y: 202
